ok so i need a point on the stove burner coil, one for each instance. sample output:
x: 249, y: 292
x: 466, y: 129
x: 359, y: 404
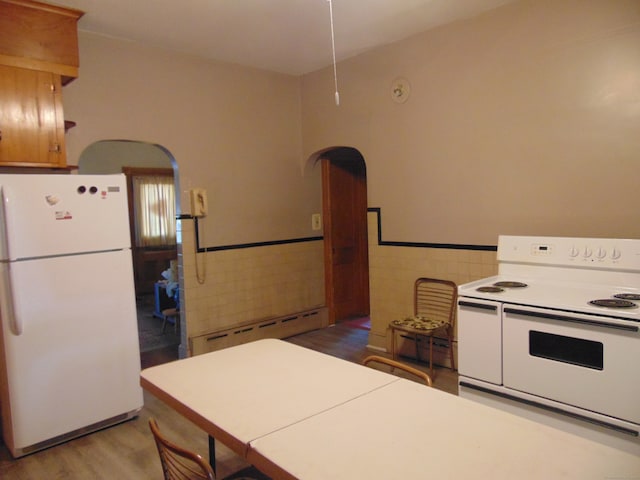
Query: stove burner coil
x: 510, y: 284
x: 490, y: 289
x: 613, y: 303
x: 628, y: 296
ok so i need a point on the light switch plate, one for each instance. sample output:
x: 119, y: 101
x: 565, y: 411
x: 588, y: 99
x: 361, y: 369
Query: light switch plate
x: 316, y: 221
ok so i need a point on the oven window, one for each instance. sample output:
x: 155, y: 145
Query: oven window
x: 576, y: 351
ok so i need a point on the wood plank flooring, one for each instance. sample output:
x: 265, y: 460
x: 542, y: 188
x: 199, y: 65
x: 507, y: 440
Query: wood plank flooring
x: 127, y: 451
x: 351, y: 344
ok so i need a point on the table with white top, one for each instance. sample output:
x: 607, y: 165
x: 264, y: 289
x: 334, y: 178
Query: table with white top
x: 408, y: 430
x: 242, y: 393
x: 300, y: 414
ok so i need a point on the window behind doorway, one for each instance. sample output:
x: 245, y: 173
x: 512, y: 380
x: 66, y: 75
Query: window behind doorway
x: 152, y: 218
x: 154, y: 210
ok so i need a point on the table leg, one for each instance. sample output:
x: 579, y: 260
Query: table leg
x: 212, y: 453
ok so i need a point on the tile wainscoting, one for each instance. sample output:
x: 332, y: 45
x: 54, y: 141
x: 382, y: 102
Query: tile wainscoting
x: 253, y: 284
x: 244, y: 285
x: 394, y: 269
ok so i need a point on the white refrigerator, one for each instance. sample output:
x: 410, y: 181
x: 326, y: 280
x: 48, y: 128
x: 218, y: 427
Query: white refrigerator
x: 70, y: 358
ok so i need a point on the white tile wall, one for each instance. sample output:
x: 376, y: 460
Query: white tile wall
x: 247, y: 284
x: 393, y: 271
x: 250, y: 284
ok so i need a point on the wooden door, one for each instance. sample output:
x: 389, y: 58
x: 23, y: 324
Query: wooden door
x: 345, y: 234
x: 31, y: 118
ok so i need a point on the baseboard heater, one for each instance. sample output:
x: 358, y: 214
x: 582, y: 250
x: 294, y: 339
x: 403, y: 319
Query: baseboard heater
x: 274, y: 327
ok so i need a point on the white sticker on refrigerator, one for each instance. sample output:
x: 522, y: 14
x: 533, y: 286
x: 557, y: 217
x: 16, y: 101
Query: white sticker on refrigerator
x: 51, y: 199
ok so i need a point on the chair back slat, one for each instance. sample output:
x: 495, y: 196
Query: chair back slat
x: 177, y: 462
x: 435, y: 299
x: 402, y: 366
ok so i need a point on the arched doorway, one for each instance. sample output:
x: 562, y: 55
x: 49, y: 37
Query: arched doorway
x: 344, y: 205
x: 133, y: 157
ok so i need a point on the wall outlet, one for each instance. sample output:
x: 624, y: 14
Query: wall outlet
x: 316, y: 221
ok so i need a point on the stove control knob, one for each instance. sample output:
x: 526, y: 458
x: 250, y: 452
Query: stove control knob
x: 574, y: 251
x: 615, y: 254
x: 586, y: 252
x: 601, y: 253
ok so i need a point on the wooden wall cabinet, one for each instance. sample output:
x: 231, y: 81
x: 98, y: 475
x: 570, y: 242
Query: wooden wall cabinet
x: 31, y: 119
x: 38, y: 54
x: 39, y: 36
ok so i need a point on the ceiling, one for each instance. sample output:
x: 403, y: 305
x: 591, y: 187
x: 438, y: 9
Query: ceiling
x: 287, y: 36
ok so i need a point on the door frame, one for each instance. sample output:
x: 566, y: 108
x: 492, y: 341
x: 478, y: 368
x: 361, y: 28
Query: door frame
x: 329, y: 281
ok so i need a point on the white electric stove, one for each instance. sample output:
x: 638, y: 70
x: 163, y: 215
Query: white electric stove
x: 555, y: 336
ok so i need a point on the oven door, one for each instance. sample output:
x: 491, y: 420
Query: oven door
x: 583, y: 360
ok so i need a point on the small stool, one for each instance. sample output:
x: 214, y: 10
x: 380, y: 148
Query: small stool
x: 171, y: 315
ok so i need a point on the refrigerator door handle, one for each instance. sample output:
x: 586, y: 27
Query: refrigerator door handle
x: 4, y: 225
x: 7, y: 294
x: 15, y: 325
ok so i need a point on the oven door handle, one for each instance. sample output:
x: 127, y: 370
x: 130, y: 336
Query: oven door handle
x: 563, y: 318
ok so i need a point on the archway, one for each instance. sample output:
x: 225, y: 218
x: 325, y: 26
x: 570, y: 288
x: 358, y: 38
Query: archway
x: 118, y: 156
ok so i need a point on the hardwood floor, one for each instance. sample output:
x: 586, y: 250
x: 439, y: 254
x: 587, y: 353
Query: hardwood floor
x: 159, y: 356
x: 127, y: 451
x: 350, y: 343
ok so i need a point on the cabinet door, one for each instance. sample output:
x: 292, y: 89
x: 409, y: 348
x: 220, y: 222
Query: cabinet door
x: 480, y: 340
x: 31, y: 118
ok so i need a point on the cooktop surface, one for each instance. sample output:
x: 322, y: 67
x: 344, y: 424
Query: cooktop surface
x: 615, y: 301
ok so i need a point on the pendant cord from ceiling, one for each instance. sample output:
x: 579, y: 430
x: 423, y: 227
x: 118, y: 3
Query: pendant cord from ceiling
x: 333, y: 50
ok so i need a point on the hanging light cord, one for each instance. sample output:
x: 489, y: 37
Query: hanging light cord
x: 333, y: 50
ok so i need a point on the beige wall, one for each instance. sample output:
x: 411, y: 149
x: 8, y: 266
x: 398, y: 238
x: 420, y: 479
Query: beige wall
x: 232, y: 130
x: 523, y: 120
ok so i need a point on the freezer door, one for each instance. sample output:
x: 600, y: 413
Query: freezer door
x: 45, y: 215
x: 76, y: 361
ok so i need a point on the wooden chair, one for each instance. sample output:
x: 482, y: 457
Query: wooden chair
x: 171, y: 315
x: 177, y: 462
x: 402, y: 366
x: 434, y: 307
x: 181, y: 464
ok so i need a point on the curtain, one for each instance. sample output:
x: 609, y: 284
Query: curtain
x: 154, y: 210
